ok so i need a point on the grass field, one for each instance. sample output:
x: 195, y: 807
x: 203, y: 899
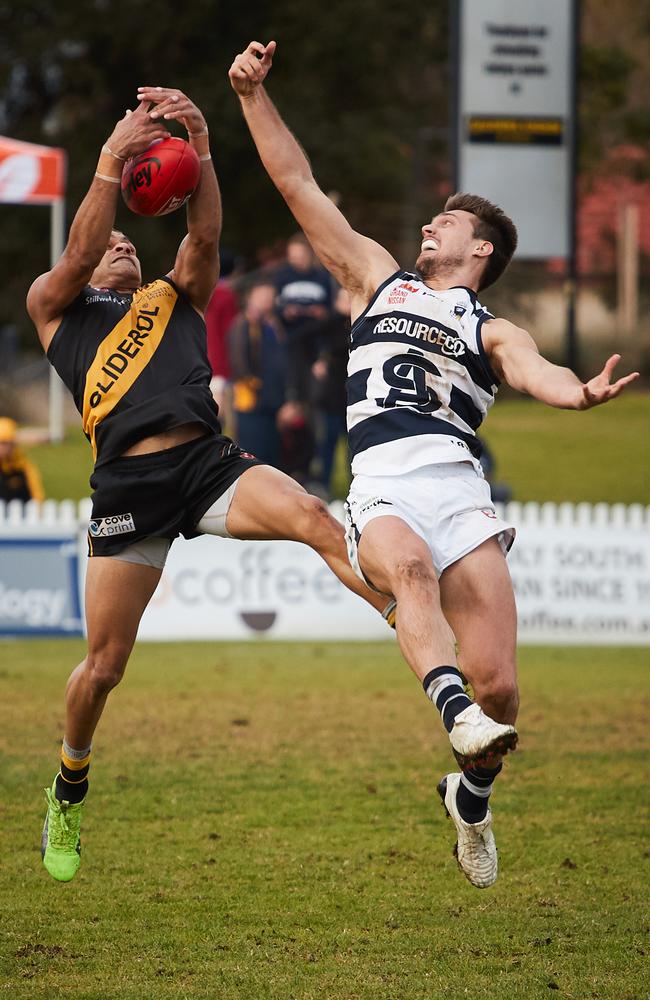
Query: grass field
x: 544, y: 454
x: 262, y: 823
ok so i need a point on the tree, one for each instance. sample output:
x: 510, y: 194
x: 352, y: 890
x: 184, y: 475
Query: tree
x: 354, y: 81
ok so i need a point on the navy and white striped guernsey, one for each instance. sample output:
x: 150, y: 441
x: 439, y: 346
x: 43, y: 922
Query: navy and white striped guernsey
x: 419, y: 381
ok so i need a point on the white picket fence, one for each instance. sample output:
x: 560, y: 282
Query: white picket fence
x: 581, y: 574
x: 66, y: 513
x: 49, y: 514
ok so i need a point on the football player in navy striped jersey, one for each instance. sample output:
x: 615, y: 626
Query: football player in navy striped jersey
x: 426, y: 360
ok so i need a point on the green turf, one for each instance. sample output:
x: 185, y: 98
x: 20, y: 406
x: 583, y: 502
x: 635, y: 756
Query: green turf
x: 65, y: 467
x: 263, y: 823
x: 544, y: 454
x: 598, y: 455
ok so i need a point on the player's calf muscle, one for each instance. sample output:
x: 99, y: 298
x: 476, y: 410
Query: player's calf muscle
x: 496, y: 692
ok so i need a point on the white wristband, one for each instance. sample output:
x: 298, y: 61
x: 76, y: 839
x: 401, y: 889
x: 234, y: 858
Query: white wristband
x: 205, y: 157
x: 107, y: 149
x: 194, y: 135
x: 105, y: 177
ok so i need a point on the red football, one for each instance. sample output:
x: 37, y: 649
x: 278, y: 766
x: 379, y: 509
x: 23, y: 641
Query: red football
x: 162, y: 178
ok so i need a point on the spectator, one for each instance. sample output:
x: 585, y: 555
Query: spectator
x: 296, y: 444
x: 19, y: 478
x: 330, y: 372
x: 304, y: 295
x: 221, y: 311
x: 258, y: 365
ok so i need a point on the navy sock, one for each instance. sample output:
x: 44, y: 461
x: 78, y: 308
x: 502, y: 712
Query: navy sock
x: 444, y: 686
x: 474, y: 792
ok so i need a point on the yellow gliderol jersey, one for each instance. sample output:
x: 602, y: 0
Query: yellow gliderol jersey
x: 136, y: 364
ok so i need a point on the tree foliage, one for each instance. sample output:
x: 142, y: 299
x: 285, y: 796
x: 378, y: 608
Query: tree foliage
x: 355, y: 82
x: 614, y: 79
x: 364, y: 86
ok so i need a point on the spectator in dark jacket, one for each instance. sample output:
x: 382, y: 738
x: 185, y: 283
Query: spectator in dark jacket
x: 258, y: 361
x: 328, y: 394
x: 304, y: 296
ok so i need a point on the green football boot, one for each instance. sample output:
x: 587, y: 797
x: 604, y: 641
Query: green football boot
x: 61, y: 840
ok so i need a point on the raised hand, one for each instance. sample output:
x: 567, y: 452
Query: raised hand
x: 172, y: 105
x: 134, y: 133
x: 250, y: 68
x: 600, y: 388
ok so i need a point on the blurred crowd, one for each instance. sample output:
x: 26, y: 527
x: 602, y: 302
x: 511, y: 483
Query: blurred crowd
x: 278, y: 346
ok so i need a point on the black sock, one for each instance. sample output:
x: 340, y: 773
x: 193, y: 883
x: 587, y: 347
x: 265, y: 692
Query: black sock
x: 72, y: 780
x: 444, y: 687
x: 71, y: 790
x: 474, y: 792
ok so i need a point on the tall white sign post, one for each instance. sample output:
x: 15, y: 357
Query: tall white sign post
x: 515, y: 120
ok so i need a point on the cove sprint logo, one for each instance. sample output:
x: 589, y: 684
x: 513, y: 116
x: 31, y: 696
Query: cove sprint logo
x: 115, y: 524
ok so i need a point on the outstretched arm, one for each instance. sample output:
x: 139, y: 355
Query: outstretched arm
x: 358, y: 263
x: 515, y: 358
x: 196, y: 268
x: 91, y: 228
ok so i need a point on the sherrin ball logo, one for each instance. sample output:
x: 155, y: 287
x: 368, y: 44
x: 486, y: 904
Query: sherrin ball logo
x: 162, y: 178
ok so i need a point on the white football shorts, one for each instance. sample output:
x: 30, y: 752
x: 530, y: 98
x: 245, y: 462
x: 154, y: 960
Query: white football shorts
x: 448, y: 505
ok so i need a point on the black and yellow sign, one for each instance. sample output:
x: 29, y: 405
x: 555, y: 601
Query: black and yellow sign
x: 506, y: 129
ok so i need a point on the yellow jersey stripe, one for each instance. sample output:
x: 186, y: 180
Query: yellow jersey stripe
x: 125, y: 352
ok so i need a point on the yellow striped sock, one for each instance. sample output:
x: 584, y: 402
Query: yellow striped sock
x: 74, y: 764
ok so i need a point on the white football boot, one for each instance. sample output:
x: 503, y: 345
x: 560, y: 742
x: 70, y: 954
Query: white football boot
x: 475, y: 850
x: 477, y: 739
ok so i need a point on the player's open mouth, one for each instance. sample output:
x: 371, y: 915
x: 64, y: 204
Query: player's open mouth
x: 429, y: 245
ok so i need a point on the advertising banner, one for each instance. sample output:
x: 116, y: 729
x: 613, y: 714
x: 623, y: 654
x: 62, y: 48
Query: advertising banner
x: 574, y: 583
x: 585, y: 584
x: 39, y: 586
x: 581, y: 574
x: 218, y: 588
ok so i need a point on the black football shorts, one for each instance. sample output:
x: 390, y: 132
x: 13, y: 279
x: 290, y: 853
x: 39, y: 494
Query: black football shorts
x: 163, y: 494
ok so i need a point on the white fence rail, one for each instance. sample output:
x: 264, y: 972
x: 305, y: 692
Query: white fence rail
x: 581, y: 574
x: 63, y: 513
x: 46, y: 515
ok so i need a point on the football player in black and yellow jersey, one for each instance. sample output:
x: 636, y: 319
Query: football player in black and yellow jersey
x: 426, y: 359
x: 134, y: 357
